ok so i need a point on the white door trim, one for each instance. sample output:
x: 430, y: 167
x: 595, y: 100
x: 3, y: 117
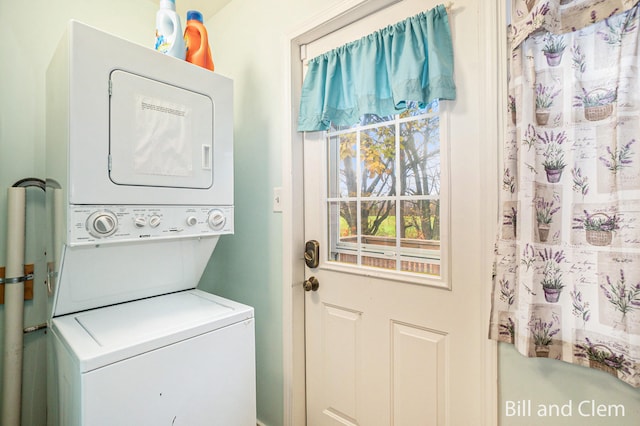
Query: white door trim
x: 492, y: 42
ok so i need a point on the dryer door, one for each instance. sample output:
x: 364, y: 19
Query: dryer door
x: 160, y: 135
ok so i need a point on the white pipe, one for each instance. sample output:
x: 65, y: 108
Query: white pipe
x: 13, y: 309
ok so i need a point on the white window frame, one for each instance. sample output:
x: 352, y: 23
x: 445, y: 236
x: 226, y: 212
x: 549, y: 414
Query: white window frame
x: 442, y: 280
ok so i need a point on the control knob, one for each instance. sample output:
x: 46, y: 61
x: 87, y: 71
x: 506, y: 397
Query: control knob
x: 192, y: 221
x: 216, y: 220
x: 154, y: 221
x: 140, y: 222
x: 102, y: 224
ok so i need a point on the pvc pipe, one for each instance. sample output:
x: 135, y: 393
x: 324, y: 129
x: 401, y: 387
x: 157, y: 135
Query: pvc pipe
x: 13, y: 309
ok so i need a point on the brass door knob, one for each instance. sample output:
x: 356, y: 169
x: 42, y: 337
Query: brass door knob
x: 311, y: 284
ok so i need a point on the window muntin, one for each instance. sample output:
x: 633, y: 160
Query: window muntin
x: 379, y: 170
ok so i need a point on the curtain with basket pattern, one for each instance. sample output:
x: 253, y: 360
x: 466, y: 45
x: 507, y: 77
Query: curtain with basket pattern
x: 567, y: 257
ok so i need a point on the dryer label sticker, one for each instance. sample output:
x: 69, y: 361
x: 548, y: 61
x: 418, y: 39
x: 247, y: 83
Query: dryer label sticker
x: 162, y: 138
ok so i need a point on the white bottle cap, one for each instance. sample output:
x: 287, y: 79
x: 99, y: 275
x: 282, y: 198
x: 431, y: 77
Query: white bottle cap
x: 168, y: 4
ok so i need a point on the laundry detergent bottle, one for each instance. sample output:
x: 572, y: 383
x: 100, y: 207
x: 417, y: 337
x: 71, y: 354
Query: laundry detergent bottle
x: 169, y: 38
x: 197, y: 41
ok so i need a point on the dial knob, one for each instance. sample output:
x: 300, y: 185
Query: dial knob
x: 154, y: 221
x: 216, y: 220
x: 140, y: 222
x: 192, y: 220
x: 102, y: 224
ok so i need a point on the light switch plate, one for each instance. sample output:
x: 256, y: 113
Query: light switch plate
x: 277, y: 199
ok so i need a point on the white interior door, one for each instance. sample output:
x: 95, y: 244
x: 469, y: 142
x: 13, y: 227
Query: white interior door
x: 396, y: 330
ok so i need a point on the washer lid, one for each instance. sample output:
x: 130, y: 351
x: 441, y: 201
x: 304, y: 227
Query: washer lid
x: 103, y: 336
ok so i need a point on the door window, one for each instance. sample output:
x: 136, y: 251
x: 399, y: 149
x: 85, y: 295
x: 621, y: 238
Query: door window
x: 385, y: 195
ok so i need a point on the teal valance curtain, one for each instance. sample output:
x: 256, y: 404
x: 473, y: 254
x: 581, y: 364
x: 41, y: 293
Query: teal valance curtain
x: 411, y: 61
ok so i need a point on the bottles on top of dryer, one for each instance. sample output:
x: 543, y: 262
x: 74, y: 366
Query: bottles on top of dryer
x: 169, y: 37
x: 197, y: 41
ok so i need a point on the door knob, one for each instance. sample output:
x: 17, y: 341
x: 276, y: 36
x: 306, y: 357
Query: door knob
x: 311, y: 284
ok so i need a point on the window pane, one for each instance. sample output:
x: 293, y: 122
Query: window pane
x: 377, y: 154
x: 420, y: 157
x: 421, y: 219
x: 343, y: 232
x: 378, y: 220
x: 342, y: 166
x: 413, y: 109
x: 421, y: 240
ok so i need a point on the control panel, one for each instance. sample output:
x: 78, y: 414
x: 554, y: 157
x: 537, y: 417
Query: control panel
x: 110, y: 224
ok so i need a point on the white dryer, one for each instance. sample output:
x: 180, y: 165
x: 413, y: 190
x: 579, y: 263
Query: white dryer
x: 139, y: 189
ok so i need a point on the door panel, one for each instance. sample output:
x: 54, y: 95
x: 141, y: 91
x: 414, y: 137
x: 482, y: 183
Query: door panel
x: 342, y: 328
x: 418, y: 362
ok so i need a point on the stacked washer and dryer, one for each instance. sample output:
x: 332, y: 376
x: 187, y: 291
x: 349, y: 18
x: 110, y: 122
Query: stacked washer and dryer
x: 139, y: 162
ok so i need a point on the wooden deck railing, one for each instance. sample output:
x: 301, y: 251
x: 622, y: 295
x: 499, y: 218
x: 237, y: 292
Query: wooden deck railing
x: 426, y: 253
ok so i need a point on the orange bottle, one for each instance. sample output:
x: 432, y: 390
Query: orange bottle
x: 197, y: 41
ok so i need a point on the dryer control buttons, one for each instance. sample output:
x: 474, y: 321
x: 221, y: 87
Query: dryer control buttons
x: 105, y: 224
x: 140, y: 221
x: 102, y: 224
x: 154, y: 221
x: 216, y: 220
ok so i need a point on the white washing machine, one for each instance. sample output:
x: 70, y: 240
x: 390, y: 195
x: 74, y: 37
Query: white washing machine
x: 139, y: 190
x: 180, y: 359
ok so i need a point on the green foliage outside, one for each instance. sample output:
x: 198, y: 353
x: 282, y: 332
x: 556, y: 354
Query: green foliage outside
x: 387, y: 228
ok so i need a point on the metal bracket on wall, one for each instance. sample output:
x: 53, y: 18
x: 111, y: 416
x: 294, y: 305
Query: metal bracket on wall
x: 27, y: 278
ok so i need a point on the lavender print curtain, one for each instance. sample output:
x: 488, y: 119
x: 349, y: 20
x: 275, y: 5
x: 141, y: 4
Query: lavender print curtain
x: 567, y: 265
